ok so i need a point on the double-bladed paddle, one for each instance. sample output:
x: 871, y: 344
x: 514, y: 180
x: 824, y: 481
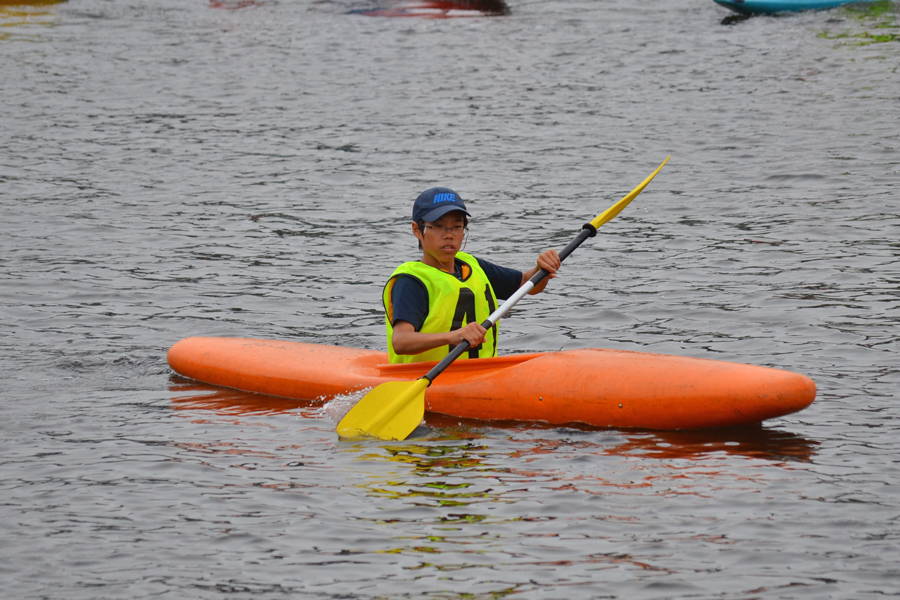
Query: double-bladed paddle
x: 394, y: 409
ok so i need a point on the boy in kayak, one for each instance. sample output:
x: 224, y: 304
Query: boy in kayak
x: 433, y: 304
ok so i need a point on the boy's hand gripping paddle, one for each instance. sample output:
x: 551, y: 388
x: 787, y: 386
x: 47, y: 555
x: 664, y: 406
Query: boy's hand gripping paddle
x: 392, y: 410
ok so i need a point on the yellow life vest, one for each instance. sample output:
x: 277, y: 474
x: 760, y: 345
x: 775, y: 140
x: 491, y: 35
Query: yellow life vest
x: 452, y: 304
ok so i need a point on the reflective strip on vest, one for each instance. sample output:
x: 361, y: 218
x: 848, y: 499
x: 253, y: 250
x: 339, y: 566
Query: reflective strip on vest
x: 452, y: 304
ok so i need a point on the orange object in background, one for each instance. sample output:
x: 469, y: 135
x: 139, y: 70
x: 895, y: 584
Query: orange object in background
x: 30, y: 2
x: 602, y: 388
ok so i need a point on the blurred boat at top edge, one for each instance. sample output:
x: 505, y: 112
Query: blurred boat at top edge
x: 752, y: 7
x: 436, y: 9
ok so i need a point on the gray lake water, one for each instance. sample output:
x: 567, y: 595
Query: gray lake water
x: 170, y: 169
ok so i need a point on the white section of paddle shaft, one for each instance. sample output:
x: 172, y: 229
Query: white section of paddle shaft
x: 510, y: 302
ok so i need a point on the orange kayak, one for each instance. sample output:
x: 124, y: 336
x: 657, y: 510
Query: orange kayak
x: 603, y: 388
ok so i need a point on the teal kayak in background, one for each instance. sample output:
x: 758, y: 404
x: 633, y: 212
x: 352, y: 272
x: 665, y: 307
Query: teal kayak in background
x: 776, y: 6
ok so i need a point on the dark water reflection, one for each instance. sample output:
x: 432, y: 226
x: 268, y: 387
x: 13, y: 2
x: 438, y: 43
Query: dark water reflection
x: 244, y: 169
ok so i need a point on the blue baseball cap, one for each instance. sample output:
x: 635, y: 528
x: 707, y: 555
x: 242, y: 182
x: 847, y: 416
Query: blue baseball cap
x: 434, y: 203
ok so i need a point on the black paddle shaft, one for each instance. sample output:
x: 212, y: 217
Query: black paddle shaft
x: 586, y: 232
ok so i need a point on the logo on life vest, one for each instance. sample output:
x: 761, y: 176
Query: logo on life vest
x: 445, y: 197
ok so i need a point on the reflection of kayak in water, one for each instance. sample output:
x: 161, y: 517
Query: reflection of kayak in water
x: 437, y: 9
x: 603, y: 388
x: 754, y: 441
x: 776, y: 6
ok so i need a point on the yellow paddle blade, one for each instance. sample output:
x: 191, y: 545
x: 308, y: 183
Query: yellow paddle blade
x: 390, y: 412
x: 610, y: 213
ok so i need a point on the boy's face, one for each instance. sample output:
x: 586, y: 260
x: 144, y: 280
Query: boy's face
x: 443, y: 238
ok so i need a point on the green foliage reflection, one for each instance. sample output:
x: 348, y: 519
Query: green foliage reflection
x: 878, y: 21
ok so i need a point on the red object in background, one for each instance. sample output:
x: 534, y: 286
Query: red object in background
x: 438, y: 9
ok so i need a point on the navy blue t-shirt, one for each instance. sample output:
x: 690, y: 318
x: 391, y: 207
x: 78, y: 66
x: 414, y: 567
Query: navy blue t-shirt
x: 410, y: 298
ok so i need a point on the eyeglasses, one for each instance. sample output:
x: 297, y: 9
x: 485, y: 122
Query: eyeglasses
x: 457, y: 230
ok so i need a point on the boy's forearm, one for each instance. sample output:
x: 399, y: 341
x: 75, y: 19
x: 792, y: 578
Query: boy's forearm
x: 548, y: 260
x: 407, y: 340
x: 414, y: 342
x: 531, y: 273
